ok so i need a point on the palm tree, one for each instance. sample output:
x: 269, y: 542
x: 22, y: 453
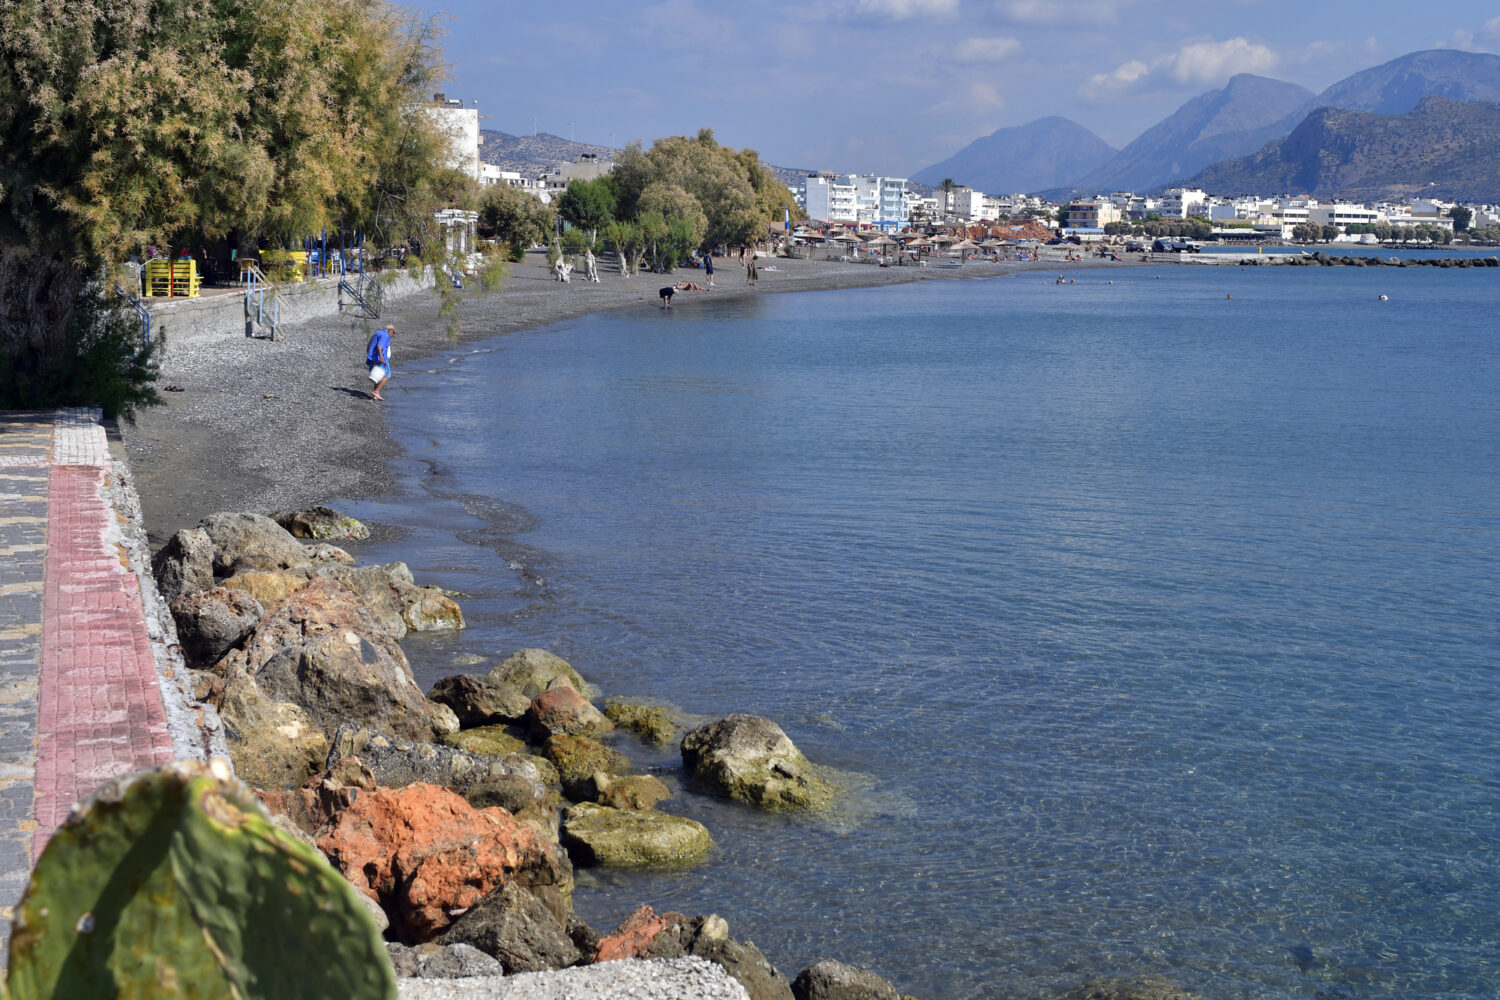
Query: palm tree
x: 947, y: 187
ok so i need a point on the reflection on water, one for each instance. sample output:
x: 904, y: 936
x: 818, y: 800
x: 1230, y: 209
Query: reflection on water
x: 1161, y: 626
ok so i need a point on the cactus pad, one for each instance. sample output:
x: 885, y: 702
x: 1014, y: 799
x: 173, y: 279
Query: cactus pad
x: 173, y: 884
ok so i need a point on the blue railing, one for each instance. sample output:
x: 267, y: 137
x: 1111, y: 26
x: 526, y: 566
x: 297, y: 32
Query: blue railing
x: 141, y: 312
x: 261, y: 304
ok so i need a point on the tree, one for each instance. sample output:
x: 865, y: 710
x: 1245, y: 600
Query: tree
x: 590, y: 204
x: 947, y: 187
x: 1461, y: 217
x: 514, y: 217
x: 125, y: 125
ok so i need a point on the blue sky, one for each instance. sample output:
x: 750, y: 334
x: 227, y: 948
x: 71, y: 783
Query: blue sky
x: 891, y: 86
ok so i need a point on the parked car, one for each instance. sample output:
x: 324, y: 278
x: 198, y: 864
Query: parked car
x: 1173, y: 246
x: 1134, y: 246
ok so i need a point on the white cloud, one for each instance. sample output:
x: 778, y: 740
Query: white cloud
x: 1198, y: 64
x: 901, y: 10
x: 1052, y: 14
x: 1485, y: 38
x: 984, y: 50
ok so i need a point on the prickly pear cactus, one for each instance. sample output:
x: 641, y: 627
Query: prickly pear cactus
x: 173, y: 884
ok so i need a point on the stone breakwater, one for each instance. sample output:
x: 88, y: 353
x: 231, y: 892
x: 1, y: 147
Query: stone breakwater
x: 1321, y: 259
x: 458, y: 815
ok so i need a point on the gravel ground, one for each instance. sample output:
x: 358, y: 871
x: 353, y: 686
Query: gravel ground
x: 262, y: 426
x: 630, y: 979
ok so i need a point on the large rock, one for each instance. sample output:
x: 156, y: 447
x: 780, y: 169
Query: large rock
x: 399, y: 604
x: 322, y: 552
x: 652, y: 723
x: 624, y: 838
x: 749, y: 759
x: 321, y: 523
x: 426, y: 855
x: 562, y: 710
x: 427, y: 609
x: 672, y: 935
x: 532, y: 671
x: 517, y: 929
x: 185, y: 564
x: 431, y: 961
x: 480, y: 700
x: 272, y: 744
x: 512, y: 782
x: 239, y: 536
x: 212, y: 622
x: 831, y: 980
x: 577, y: 758
x: 322, y: 649
x: 268, y: 586
x: 632, y: 791
x: 492, y: 741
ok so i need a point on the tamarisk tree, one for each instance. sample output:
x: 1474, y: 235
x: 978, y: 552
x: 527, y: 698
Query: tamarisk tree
x: 126, y: 124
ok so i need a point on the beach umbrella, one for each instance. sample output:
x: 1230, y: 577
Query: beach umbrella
x: 963, y: 247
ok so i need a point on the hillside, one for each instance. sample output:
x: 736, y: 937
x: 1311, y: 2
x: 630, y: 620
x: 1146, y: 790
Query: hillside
x: 1040, y: 154
x: 1238, y: 119
x: 531, y: 155
x: 1444, y: 148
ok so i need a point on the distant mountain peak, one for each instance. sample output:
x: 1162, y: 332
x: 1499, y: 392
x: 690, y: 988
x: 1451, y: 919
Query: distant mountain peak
x: 1035, y: 156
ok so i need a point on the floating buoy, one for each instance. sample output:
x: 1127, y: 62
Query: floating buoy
x: 1384, y: 298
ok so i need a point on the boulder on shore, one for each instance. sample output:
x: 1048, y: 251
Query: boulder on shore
x: 272, y: 744
x: 185, y: 564
x: 480, y: 700
x: 749, y: 759
x: 240, y: 536
x: 632, y: 791
x: 652, y: 723
x: 532, y: 671
x: 432, y: 961
x: 517, y: 929
x: 212, y: 622
x: 577, y: 758
x: 561, y: 710
x: 644, y: 934
x: 321, y: 648
x: 625, y: 838
x: 321, y: 524
x: 831, y: 980
x: 425, y: 854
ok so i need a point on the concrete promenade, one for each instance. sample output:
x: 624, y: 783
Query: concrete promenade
x: 81, y: 689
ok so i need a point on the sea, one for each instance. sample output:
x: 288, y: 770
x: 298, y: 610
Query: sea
x: 1150, y: 622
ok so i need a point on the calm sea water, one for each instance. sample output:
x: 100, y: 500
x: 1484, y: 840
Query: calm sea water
x: 1157, y: 631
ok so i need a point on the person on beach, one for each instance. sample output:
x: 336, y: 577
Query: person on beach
x: 378, y: 357
x: 750, y: 276
x: 708, y: 266
x: 666, y: 296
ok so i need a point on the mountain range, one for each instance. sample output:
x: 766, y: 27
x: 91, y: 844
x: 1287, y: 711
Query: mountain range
x: 1443, y: 148
x: 1226, y: 124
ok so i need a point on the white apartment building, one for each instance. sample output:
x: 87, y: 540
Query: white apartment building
x: 1180, y: 203
x: 1092, y: 214
x: 881, y: 201
x: 461, y: 127
x: 587, y: 167
x: 1342, y: 213
x: 829, y: 198
x: 968, y: 204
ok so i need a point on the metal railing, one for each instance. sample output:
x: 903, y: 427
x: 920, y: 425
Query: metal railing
x: 261, y: 305
x: 364, y: 290
x: 141, y: 312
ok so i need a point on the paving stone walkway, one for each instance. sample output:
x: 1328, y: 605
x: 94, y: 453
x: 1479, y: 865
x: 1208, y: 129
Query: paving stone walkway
x: 79, y: 696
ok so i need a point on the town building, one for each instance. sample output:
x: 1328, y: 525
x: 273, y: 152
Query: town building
x: 460, y: 125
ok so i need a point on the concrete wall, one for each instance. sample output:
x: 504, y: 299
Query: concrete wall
x: 198, y: 323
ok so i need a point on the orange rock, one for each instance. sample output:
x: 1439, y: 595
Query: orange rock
x: 426, y: 855
x: 563, y: 710
x: 635, y: 935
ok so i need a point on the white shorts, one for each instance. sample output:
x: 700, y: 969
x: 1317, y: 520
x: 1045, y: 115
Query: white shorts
x: 378, y: 372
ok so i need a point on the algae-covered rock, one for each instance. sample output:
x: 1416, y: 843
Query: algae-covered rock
x: 268, y: 587
x: 495, y: 741
x: 427, y: 609
x: 652, y: 723
x: 624, y: 838
x: 749, y: 759
x: 631, y: 791
x: 321, y: 523
x: 577, y: 758
x: 173, y: 883
x: 532, y: 671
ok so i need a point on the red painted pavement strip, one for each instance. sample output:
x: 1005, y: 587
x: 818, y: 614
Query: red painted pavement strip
x: 99, y: 710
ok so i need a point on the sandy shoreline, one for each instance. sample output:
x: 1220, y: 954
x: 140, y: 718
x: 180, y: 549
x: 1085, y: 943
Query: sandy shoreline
x: 263, y: 426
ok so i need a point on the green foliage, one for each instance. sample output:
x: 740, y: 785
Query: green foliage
x: 513, y: 216
x: 175, y: 884
x: 589, y: 204
x: 1461, y: 217
x: 736, y: 194
x: 574, y: 241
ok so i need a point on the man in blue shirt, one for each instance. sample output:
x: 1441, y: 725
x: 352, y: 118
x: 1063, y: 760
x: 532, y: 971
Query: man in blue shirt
x: 378, y: 357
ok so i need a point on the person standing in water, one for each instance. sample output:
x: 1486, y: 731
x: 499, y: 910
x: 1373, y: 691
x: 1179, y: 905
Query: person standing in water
x: 708, y: 266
